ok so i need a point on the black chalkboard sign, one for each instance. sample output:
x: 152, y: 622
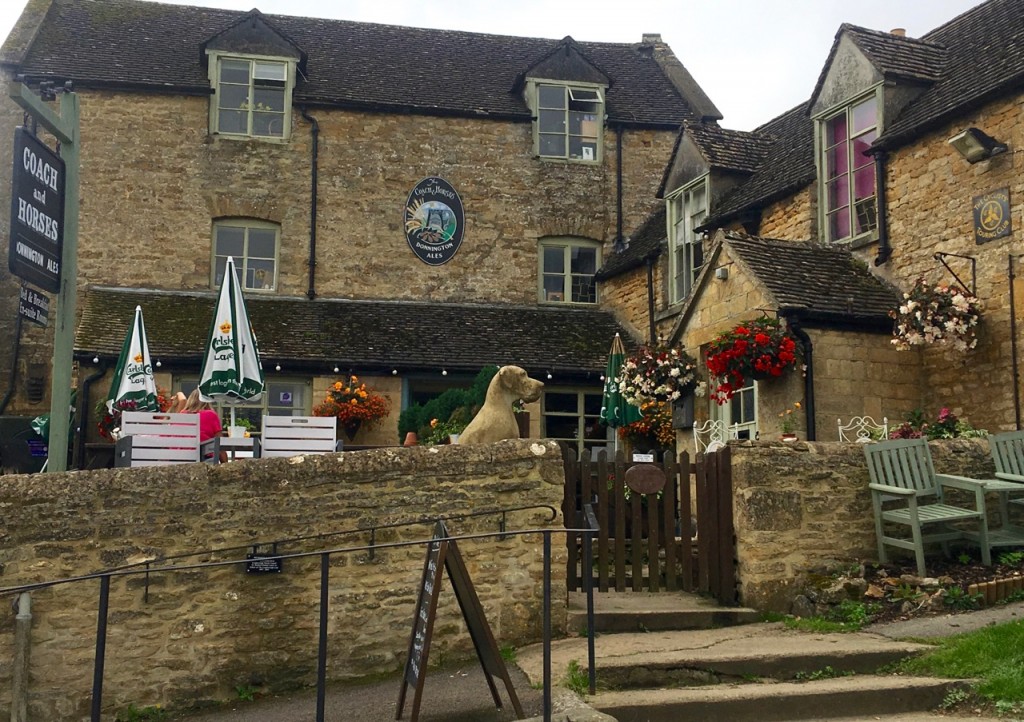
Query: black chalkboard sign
x: 443, y: 555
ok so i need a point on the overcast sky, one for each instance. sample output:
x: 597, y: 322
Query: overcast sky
x: 754, y: 58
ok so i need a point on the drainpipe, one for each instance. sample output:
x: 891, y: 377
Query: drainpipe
x: 884, y: 249
x: 1013, y: 349
x: 14, y: 366
x: 83, y: 425
x: 805, y: 341
x: 650, y: 297
x: 314, y: 168
x: 618, y: 184
x: 22, y: 647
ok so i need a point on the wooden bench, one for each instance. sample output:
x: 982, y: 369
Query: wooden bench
x: 1008, y: 454
x: 295, y: 435
x: 902, y: 474
x: 158, y: 439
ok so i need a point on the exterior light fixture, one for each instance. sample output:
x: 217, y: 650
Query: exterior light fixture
x: 336, y: 369
x: 278, y: 367
x: 158, y: 364
x: 95, y: 359
x: 394, y: 372
x: 444, y: 372
x: 975, y: 145
x: 549, y: 375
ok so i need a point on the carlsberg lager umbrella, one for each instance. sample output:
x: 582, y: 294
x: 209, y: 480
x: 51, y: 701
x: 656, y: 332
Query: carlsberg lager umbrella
x: 134, y: 387
x: 231, y: 366
x: 615, y: 410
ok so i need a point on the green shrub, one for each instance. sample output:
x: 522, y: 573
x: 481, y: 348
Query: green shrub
x: 457, y: 406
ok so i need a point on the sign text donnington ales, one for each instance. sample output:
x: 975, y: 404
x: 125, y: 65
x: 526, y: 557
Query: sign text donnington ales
x: 37, y: 212
x: 434, y: 221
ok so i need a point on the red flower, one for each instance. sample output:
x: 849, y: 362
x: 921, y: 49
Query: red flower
x: 762, y: 347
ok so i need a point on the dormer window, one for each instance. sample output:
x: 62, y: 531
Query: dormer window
x: 252, y: 96
x: 848, y: 191
x: 569, y: 121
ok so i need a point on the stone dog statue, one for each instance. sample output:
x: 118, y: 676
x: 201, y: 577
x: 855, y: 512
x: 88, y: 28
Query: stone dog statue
x: 496, y: 420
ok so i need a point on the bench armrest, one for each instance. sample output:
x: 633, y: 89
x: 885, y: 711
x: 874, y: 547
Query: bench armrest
x: 959, y: 482
x: 1010, y: 477
x: 894, y: 490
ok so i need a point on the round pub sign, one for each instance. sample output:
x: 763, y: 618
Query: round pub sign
x: 434, y: 221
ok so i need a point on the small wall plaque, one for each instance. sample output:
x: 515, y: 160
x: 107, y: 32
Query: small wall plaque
x: 992, y: 216
x: 259, y: 561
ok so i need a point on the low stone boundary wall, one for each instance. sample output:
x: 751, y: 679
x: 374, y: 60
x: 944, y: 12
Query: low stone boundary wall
x: 204, y: 632
x: 801, y: 506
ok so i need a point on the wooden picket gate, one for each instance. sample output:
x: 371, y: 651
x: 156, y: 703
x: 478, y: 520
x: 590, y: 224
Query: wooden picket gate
x: 647, y: 541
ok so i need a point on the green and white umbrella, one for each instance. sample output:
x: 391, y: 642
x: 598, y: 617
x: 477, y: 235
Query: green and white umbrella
x: 134, y: 387
x: 615, y: 410
x: 231, y: 364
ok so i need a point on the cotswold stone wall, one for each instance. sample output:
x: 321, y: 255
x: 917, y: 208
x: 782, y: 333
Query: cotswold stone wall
x: 931, y: 191
x: 857, y: 374
x: 799, y: 506
x: 626, y: 296
x: 153, y: 179
x: 791, y: 218
x: 203, y: 632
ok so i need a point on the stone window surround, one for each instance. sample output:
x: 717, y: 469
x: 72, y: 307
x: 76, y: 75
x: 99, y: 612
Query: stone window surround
x: 566, y: 243
x: 533, y: 101
x: 820, y: 126
x: 215, y: 57
x: 242, y: 261
x: 678, y: 252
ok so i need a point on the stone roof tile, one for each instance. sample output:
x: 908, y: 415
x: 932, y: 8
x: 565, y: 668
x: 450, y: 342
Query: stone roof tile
x: 381, y: 335
x: 648, y: 240
x: 127, y: 43
x: 815, y: 279
x: 734, y: 150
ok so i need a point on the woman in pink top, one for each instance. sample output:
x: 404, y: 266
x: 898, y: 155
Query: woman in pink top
x: 209, y: 420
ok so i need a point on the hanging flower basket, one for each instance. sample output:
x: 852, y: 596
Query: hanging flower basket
x: 654, y: 429
x: 658, y: 374
x: 936, y: 314
x: 354, y: 405
x: 761, y: 349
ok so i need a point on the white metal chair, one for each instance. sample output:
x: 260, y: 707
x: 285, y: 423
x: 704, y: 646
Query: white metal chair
x: 711, y: 436
x: 295, y: 435
x: 158, y: 439
x: 863, y: 430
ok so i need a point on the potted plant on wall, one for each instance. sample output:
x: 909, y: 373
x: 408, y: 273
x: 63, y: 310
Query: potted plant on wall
x: 936, y: 314
x: 760, y: 349
x: 788, y: 422
x: 354, y: 405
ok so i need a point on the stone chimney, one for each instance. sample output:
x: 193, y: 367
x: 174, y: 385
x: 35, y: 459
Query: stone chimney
x: 899, y: 32
x: 651, y: 39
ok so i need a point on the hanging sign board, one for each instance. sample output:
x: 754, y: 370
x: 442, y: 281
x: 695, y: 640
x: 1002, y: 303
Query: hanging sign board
x: 34, y: 306
x: 37, y: 212
x: 992, y: 216
x: 443, y: 555
x: 434, y: 221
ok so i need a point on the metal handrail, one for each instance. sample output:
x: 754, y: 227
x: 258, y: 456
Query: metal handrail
x: 324, y: 554
x: 372, y: 529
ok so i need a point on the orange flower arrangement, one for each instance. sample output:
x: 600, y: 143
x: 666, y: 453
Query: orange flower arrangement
x: 654, y: 426
x: 353, y: 404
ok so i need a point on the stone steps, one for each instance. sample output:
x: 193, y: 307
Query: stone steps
x: 685, y: 665
x: 858, y: 696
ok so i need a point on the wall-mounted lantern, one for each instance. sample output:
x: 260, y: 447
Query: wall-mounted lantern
x: 975, y: 145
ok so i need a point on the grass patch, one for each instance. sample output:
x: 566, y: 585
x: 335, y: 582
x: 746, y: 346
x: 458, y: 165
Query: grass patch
x: 848, y: 616
x: 994, y: 656
x: 577, y: 679
x: 509, y: 653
